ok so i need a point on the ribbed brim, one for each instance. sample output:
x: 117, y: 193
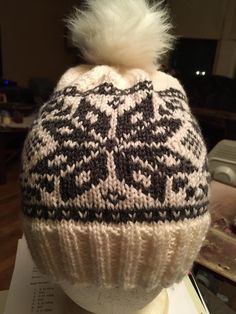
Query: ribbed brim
x: 147, y: 255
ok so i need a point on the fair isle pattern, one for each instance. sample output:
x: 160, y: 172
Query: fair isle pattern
x: 115, y: 155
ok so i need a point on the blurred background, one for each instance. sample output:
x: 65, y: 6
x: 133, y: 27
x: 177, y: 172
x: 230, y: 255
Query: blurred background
x: 34, y: 53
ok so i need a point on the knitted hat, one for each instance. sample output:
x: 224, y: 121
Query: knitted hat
x: 115, y: 178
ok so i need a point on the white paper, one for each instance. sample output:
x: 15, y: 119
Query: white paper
x: 32, y: 293
x: 180, y: 300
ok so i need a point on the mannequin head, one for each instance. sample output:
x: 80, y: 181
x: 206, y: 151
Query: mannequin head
x: 115, y: 301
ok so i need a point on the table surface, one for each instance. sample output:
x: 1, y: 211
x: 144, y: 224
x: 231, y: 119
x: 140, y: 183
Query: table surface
x: 218, y: 252
x: 10, y: 224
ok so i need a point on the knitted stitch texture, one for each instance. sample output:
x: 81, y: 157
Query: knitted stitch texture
x: 115, y: 180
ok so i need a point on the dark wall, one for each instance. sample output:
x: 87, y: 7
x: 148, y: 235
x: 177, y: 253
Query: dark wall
x: 33, y: 43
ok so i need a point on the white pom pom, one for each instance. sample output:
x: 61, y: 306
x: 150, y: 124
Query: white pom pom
x: 128, y: 33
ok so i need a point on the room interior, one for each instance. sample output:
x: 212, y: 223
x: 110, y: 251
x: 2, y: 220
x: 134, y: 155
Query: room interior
x: 35, y: 51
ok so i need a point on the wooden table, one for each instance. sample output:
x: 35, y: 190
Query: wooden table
x: 10, y: 225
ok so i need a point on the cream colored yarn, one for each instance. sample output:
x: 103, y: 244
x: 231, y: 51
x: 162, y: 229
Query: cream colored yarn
x: 114, y: 169
x: 152, y: 250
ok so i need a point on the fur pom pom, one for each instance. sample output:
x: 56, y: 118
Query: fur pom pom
x: 128, y: 33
